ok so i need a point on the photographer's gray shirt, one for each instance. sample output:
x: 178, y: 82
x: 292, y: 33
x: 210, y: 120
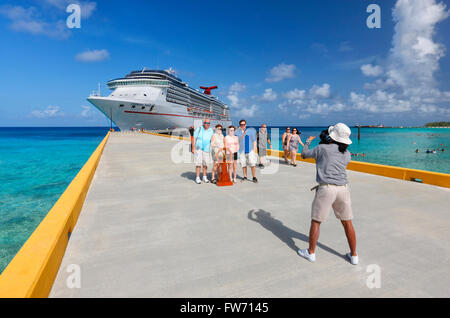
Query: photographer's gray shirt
x: 330, y: 163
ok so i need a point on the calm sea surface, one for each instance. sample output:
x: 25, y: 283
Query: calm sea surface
x: 37, y: 165
x: 393, y: 146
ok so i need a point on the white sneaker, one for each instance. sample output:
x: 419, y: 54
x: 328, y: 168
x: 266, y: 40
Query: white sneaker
x: 197, y: 180
x: 205, y: 179
x: 353, y: 259
x: 305, y: 253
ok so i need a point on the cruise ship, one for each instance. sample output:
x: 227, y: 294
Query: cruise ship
x: 158, y: 100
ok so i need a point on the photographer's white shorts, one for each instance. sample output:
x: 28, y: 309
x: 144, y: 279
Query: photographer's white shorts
x: 334, y: 197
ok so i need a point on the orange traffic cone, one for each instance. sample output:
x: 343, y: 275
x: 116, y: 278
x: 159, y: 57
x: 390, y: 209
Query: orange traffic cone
x: 223, y: 175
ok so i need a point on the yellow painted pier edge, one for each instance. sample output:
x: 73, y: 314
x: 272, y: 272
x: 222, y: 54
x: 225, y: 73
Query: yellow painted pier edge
x: 31, y: 273
x: 428, y: 177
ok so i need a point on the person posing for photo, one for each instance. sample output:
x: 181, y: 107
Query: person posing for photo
x: 292, y: 142
x: 232, y: 147
x: 262, y: 138
x: 247, y: 149
x: 217, y: 145
x: 284, y: 140
x: 201, y: 145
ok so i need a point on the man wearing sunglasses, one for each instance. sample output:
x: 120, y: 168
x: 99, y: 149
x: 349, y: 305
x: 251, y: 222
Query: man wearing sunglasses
x: 247, y: 149
x: 201, y: 146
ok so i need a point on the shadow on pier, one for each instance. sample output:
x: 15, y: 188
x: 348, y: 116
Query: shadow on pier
x: 285, y: 234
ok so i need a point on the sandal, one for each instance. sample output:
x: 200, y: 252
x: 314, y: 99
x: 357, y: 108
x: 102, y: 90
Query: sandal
x: 214, y: 181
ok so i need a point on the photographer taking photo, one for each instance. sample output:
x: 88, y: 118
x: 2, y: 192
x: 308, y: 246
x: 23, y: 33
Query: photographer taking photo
x: 332, y: 158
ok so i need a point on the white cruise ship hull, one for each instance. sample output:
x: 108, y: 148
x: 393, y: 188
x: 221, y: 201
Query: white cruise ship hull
x: 163, y: 116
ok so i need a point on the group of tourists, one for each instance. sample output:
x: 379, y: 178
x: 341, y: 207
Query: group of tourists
x: 241, y: 144
x: 331, y: 156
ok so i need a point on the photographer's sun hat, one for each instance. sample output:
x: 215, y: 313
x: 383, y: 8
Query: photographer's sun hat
x: 340, y: 133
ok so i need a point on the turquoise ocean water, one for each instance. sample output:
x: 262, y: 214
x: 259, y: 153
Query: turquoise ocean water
x: 37, y: 165
x: 393, y: 146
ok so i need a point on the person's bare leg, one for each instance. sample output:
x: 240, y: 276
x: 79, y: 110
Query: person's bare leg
x: 351, y: 236
x: 204, y: 171
x: 244, y: 170
x: 314, y: 233
x: 197, y: 171
x: 235, y: 169
x: 253, y: 171
x: 293, y: 155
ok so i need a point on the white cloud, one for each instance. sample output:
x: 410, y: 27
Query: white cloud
x: 246, y: 112
x: 87, y: 111
x: 380, y: 101
x: 237, y: 87
x: 87, y: 7
x: 283, y: 106
x: 233, y: 94
x: 17, y: 12
x: 91, y: 115
x: 317, y: 101
x: 408, y: 85
x: 238, y: 103
x: 324, y: 108
x: 384, y: 102
x: 34, y: 20
x: 414, y: 56
x: 295, y: 94
x: 234, y: 100
x: 370, y: 70
x: 92, y: 56
x: 355, y: 64
x: 50, y: 111
x: 320, y: 91
x: 28, y: 20
x: 281, y: 72
x: 269, y: 95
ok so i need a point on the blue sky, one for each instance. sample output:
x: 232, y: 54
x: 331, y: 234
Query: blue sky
x: 280, y: 62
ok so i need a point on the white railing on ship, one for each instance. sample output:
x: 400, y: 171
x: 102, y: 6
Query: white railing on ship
x: 95, y: 93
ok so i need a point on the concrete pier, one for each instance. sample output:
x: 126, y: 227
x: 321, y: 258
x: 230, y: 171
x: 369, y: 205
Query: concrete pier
x: 147, y: 230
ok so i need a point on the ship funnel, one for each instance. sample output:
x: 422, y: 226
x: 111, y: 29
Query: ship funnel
x: 208, y: 89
